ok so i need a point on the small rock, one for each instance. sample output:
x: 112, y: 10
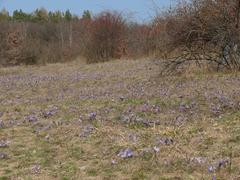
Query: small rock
x: 36, y: 169
x: 3, y: 155
x: 127, y: 153
x: 1, y: 114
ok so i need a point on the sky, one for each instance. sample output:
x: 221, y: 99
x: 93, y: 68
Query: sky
x: 140, y: 10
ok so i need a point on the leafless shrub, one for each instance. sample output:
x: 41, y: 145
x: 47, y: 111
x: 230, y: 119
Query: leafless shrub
x: 105, y: 37
x: 203, y: 32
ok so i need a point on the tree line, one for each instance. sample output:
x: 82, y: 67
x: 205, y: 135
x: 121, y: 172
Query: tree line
x: 40, y: 15
x: 46, y: 37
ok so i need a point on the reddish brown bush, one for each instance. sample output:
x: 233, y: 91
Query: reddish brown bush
x: 106, y: 37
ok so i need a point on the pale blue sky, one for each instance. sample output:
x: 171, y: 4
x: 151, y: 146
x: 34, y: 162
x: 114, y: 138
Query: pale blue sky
x: 142, y: 10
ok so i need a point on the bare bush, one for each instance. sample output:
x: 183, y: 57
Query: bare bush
x: 204, y: 32
x: 138, y: 41
x: 105, y: 37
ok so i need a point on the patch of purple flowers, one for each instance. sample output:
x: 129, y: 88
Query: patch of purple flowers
x: 1, y: 124
x: 31, y: 118
x: 92, y: 116
x: 36, y: 169
x: 50, y: 112
x: 164, y: 141
x: 126, y: 153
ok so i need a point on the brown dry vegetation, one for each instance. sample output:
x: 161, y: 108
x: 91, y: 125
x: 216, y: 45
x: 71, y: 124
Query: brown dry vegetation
x: 203, y: 32
x: 103, y: 37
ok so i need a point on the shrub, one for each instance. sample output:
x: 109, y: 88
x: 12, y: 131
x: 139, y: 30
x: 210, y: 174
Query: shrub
x: 138, y: 40
x: 105, y: 37
x: 205, y: 32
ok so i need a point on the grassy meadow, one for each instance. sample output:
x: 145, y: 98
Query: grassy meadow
x: 118, y: 120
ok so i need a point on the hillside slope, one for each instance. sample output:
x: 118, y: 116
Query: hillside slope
x: 118, y: 120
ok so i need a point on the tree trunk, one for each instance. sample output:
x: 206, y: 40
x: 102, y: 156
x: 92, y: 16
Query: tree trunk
x: 70, y: 34
x: 238, y: 14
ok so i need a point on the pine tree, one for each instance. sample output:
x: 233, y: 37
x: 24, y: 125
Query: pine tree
x: 19, y: 15
x: 56, y: 16
x: 87, y: 15
x: 68, y: 16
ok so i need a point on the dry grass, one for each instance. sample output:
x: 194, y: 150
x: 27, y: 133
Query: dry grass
x: 192, y: 119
